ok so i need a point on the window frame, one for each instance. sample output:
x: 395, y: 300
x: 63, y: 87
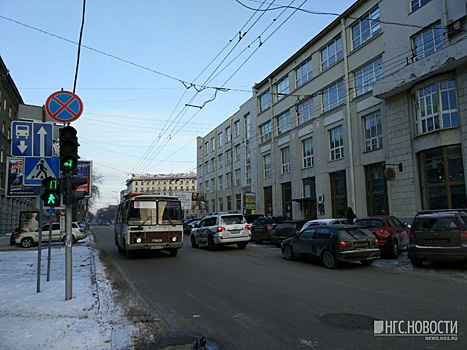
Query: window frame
x: 332, y: 53
x: 336, y: 143
x: 374, y: 28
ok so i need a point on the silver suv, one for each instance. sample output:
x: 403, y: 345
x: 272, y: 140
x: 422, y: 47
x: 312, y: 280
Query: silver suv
x: 221, y: 229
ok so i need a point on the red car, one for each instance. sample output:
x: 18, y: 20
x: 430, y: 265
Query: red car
x: 392, y: 234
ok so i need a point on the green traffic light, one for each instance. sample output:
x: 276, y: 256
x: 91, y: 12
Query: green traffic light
x: 52, y: 199
x: 68, y: 163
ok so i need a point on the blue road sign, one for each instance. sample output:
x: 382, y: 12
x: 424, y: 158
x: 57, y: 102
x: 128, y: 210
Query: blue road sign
x: 36, y: 169
x: 32, y: 139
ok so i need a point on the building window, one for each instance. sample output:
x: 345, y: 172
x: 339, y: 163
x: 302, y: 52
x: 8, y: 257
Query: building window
x: 287, y: 200
x: 338, y: 194
x: 336, y: 139
x: 436, y: 107
x: 428, y: 42
x: 307, y: 146
x: 221, y: 139
x: 220, y: 182
x: 267, y: 166
x: 367, y: 75
x: 285, y: 158
x: 306, y: 111
x: 206, y: 148
x: 238, y: 177
x: 206, y: 185
x: 303, y: 73
x: 206, y: 168
x: 213, y: 144
x: 265, y: 132
x: 220, y: 160
x: 247, y: 125
x: 229, y: 203
x: 213, y: 204
x: 282, y: 88
x: 228, y: 180
x: 376, y: 189
x: 366, y: 28
x: 236, y: 153
x: 264, y: 101
x: 228, y: 158
x: 309, y: 193
x: 221, y: 204
x: 238, y: 201
x: 268, y: 200
x: 416, y: 4
x: 333, y: 96
x: 237, y: 128
x: 283, y: 123
x: 228, y: 134
x: 213, y: 165
x: 331, y: 53
x: 373, y: 131
x: 442, y: 178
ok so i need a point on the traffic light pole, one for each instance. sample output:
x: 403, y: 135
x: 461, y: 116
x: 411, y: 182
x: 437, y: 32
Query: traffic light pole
x: 68, y: 239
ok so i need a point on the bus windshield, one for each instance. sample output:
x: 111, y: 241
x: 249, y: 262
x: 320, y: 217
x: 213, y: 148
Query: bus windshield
x: 147, y: 213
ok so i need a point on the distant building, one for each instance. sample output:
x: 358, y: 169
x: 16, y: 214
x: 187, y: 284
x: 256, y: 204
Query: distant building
x: 10, y: 99
x: 370, y: 113
x: 164, y: 184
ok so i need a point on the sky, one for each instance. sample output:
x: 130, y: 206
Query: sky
x: 142, y: 62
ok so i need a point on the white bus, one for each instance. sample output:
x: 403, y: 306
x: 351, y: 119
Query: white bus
x: 146, y: 222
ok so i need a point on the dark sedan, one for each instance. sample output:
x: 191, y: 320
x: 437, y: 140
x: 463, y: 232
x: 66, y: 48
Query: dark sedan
x: 332, y: 244
x: 286, y: 229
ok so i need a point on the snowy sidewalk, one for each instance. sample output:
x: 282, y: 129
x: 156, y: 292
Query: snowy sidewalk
x: 45, y: 320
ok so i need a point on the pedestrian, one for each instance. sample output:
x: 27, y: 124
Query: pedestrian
x: 350, y: 215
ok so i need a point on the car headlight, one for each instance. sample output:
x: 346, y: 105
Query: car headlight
x: 138, y: 240
x: 174, y: 239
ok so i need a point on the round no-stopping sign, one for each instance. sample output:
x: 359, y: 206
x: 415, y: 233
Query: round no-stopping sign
x: 64, y: 106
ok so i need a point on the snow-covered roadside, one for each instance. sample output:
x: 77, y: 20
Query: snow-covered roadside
x: 45, y: 320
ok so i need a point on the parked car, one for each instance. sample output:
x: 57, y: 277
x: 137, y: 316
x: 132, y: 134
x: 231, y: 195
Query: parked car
x: 438, y: 235
x: 190, y: 226
x: 261, y: 229
x: 392, y: 234
x: 29, y: 239
x: 286, y: 229
x: 332, y: 244
x: 338, y: 221
x: 221, y: 229
x: 186, y: 227
x: 250, y: 218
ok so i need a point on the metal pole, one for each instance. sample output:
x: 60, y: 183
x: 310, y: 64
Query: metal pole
x: 68, y: 242
x: 49, y: 250
x: 39, y: 250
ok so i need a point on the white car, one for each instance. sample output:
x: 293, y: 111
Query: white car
x: 221, y: 229
x: 324, y: 222
x: 29, y: 239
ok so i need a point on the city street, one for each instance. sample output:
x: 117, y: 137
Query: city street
x: 255, y: 299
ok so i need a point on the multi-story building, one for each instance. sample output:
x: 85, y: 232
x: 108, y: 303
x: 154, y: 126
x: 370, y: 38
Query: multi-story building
x: 367, y: 114
x: 226, y: 163
x: 10, y: 99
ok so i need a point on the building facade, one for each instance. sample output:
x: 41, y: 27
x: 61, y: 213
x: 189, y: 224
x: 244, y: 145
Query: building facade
x: 10, y: 99
x: 368, y: 114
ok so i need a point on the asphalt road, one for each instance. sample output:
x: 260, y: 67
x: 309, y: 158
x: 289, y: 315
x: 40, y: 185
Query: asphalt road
x: 255, y: 299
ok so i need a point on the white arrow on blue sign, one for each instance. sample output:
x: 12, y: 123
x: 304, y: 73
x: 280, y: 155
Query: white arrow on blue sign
x: 32, y: 139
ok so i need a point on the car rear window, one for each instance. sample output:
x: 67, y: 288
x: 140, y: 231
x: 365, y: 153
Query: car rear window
x: 354, y: 234
x: 436, y: 224
x: 232, y: 219
x: 369, y: 223
x: 262, y: 221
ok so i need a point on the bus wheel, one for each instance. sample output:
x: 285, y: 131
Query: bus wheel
x: 173, y: 252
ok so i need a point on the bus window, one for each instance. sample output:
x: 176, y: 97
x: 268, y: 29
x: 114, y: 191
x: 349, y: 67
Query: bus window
x: 170, y: 213
x: 142, y: 213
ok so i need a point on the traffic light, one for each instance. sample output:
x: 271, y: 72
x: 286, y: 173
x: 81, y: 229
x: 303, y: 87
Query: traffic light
x: 69, y: 149
x: 51, y: 195
x: 72, y: 193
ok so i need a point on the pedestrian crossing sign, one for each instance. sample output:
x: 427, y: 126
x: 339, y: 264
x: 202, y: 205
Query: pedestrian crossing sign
x: 37, y: 169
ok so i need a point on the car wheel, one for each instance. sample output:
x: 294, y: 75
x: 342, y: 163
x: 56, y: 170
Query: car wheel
x: 193, y: 242
x: 416, y: 262
x: 27, y: 242
x: 394, y: 249
x: 329, y: 261
x: 288, y: 253
x: 241, y: 245
x: 367, y: 262
x: 73, y: 239
x: 211, y: 244
x: 173, y: 252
